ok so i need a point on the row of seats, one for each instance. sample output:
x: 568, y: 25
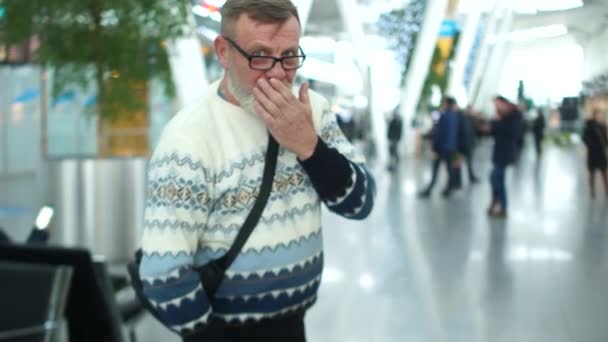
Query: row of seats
x: 44, y: 288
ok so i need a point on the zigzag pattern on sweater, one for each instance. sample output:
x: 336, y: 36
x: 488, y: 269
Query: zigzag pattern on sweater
x: 173, y: 225
x: 268, y: 303
x: 347, y: 191
x: 353, y: 205
x: 356, y: 177
x: 175, y: 159
x: 278, y: 272
x: 179, y: 274
x: 289, y: 215
x: 248, y: 253
x: 166, y: 279
x: 248, y: 318
x: 257, y: 158
x: 285, y: 293
x: 185, y: 311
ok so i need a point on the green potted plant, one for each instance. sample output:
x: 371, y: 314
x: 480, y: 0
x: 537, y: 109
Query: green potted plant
x: 117, y: 46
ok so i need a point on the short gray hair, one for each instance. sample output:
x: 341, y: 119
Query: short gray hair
x: 266, y: 11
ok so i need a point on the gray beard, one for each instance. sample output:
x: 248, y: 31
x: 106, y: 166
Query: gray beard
x: 246, y: 101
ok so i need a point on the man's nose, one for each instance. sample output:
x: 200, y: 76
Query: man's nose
x: 277, y: 71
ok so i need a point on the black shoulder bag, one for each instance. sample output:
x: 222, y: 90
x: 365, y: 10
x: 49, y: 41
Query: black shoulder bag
x: 212, y: 273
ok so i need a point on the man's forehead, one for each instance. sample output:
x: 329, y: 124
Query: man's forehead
x: 247, y: 26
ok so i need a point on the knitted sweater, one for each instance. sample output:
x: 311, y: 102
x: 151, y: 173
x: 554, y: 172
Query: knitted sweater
x: 203, y: 179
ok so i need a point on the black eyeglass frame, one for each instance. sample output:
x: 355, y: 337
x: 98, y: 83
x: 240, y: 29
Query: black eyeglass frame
x: 274, y: 59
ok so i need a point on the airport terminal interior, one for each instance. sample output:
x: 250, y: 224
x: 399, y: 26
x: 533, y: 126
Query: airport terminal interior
x: 83, y: 106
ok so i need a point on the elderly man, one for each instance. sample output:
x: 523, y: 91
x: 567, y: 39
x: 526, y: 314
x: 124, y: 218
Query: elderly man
x: 206, y: 173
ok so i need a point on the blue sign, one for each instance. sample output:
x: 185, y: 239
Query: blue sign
x: 27, y: 95
x: 65, y: 97
x: 448, y: 28
x: 1, y: 11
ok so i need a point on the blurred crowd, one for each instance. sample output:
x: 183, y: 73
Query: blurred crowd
x: 456, y: 131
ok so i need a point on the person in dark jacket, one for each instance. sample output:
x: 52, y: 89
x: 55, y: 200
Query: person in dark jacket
x: 395, y: 130
x: 596, y: 141
x: 539, y: 131
x: 467, y: 139
x: 445, y: 145
x: 505, y: 129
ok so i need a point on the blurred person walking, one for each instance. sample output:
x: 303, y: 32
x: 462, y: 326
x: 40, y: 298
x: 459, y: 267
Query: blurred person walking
x: 445, y: 145
x: 539, y: 131
x: 467, y: 140
x: 394, y: 133
x: 506, y: 130
x: 596, y: 141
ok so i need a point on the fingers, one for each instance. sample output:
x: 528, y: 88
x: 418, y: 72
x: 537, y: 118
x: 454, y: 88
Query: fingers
x: 273, y: 90
x: 264, y: 114
x: 277, y: 90
x: 283, y: 89
x: 267, y: 104
x: 304, y: 93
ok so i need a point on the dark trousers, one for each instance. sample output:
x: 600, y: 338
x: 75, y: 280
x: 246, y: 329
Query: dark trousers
x: 447, y: 159
x: 469, y: 160
x: 499, y: 190
x: 289, y: 328
x: 538, y: 144
x: 393, y: 152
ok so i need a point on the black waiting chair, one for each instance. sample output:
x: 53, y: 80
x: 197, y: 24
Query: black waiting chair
x: 33, y: 298
x: 92, y: 313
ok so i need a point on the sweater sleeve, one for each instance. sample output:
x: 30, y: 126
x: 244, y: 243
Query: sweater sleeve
x: 179, y: 198
x: 338, y: 172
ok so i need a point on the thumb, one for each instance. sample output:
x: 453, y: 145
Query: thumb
x: 304, y: 93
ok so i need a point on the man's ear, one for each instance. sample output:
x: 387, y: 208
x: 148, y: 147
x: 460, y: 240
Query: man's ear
x: 221, y: 50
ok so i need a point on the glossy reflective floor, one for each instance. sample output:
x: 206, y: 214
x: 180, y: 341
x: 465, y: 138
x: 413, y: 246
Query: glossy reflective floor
x: 440, y: 270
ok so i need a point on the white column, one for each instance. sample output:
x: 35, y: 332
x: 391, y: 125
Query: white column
x: 595, y: 51
x: 487, y: 43
x: 303, y: 7
x: 491, y: 78
x: 456, y: 86
x: 187, y: 66
x: 419, y: 66
x: 188, y: 69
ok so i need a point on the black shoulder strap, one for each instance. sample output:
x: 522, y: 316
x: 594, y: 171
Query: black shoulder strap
x: 213, y: 272
x: 258, y: 207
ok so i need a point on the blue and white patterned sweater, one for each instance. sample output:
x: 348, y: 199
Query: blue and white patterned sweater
x: 203, y: 179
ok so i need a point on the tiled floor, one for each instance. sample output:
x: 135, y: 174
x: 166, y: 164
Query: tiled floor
x: 440, y: 270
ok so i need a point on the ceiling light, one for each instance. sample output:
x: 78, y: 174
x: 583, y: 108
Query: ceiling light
x: 558, y: 5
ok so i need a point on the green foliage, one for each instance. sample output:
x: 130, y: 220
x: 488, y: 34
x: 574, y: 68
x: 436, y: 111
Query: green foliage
x: 112, y: 43
x: 434, y: 78
x: 401, y: 27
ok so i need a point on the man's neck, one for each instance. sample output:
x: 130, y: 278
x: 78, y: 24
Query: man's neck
x: 225, y: 94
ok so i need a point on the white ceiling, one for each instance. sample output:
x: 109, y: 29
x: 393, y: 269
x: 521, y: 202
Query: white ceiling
x: 589, y: 20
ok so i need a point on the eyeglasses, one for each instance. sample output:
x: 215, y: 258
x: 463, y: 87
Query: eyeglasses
x: 265, y: 63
